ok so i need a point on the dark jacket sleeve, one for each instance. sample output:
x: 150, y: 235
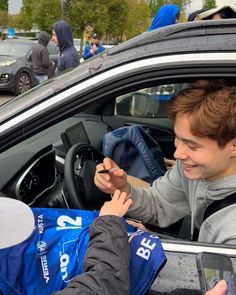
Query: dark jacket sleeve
x: 106, y: 264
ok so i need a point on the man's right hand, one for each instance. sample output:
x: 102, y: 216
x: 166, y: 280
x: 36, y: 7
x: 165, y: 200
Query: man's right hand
x: 109, y: 182
x: 219, y: 289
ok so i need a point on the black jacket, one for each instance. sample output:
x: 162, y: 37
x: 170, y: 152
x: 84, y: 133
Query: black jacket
x: 106, y: 264
x: 40, y: 56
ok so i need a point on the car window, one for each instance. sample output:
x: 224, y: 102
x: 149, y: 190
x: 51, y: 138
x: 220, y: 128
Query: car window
x: 147, y: 102
x: 14, y: 49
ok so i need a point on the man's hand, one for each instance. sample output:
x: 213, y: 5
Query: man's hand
x: 118, y: 206
x: 93, y: 49
x: 111, y: 181
x: 219, y: 289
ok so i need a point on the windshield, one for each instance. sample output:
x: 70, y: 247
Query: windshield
x: 14, y: 49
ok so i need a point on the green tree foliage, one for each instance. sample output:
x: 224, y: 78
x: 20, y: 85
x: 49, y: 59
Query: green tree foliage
x: 138, y: 18
x: 116, y: 19
x: 154, y: 5
x: 3, y: 19
x: 209, y: 4
x: 4, y: 5
x: 45, y: 14
x: 25, y: 19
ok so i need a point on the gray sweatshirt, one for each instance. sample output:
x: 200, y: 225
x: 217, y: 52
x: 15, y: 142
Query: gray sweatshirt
x: 173, y: 196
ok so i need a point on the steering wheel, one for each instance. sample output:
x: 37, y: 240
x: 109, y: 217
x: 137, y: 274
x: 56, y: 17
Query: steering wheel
x: 79, y: 171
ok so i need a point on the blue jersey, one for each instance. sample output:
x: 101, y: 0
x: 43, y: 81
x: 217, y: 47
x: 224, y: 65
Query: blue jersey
x: 54, y: 253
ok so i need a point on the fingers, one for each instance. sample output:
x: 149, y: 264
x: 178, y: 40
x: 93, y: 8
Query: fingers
x: 219, y: 289
x: 118, y: 206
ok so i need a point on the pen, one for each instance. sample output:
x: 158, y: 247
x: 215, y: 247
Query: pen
x: 111, y: 170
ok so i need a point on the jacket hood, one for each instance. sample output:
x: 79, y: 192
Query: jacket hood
x: 44, y: 38
x: 165, y: 16
x: 64, y: 35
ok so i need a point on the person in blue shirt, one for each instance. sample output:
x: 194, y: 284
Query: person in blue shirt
x: 167, y: 15
x: 62, y: 36
x: 94, y: 48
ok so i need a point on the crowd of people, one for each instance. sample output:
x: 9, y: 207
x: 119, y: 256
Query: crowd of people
x: 167, y: 15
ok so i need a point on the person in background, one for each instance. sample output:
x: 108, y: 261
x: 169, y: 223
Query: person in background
x: 93, y: 48
x: 167, y: 15
x: 62, y: 36
x: 220, y: 12
x: 194, y: 15
x: 40, y: 58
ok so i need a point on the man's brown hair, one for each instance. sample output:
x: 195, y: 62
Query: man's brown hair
x: 211, y: 108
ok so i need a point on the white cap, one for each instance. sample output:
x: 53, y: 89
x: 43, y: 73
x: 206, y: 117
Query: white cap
x: 16, y: 222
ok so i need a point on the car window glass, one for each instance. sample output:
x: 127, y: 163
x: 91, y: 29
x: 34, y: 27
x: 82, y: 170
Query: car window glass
x: 147, y: 102
x: 14, y: 49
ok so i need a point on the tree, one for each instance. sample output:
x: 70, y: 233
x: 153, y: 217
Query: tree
x: 209, y: 4
x: 25, y: 21
x: 45, y: 16
x: 4, y: 5
x: 3, y: 19
x: 154, y: 5
x: 81, y: 13
x: 138, y: 18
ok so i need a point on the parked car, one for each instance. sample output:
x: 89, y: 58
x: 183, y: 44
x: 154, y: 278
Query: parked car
x: 16, y: 74
x: 104, y: 93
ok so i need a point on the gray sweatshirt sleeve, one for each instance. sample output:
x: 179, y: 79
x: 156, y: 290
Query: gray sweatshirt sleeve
x: 162, y: 204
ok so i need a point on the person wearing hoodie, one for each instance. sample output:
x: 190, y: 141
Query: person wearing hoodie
x: 167, y: 15
x: 205, y: 168
x: 62, y: 36
x: 40, y: 57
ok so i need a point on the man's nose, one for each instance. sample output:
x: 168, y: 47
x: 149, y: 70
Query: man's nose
x: 181, y: 151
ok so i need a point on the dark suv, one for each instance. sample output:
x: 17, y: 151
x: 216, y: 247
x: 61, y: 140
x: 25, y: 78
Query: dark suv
x: 16, y: 74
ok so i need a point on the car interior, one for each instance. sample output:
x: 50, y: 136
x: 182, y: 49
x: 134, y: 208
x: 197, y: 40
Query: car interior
x: 71, y: 149
x: 55, y: 167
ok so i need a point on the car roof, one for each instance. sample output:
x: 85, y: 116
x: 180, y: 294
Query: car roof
x: 190, y: 37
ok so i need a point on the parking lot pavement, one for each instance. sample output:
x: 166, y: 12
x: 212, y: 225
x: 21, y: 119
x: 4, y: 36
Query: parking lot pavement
x: 5, y: 97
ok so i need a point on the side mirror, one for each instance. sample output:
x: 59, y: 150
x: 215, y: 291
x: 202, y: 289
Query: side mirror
x: 30, y: 58
x: 137, y: 105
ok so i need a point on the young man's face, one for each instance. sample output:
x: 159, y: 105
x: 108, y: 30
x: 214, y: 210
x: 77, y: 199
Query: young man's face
x: 201, y: 157
x: 54, y: 37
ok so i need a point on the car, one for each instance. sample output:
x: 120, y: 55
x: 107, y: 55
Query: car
x: 121, y: 87
x: 16, y: 74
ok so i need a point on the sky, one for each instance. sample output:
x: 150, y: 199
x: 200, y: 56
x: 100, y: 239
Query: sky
x: 15, y: 5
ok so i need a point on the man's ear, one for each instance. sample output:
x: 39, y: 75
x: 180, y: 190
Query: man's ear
x: 233, y: 148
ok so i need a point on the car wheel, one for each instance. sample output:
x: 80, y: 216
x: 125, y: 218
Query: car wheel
x: 23, y: 83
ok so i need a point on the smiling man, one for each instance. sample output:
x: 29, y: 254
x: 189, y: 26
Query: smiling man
x: 204, y: 118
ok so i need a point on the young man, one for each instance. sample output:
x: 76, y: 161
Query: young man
x: 205, y: 170
x: 62, y: 36
x: 40, y: 57
x: 93, y: 48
